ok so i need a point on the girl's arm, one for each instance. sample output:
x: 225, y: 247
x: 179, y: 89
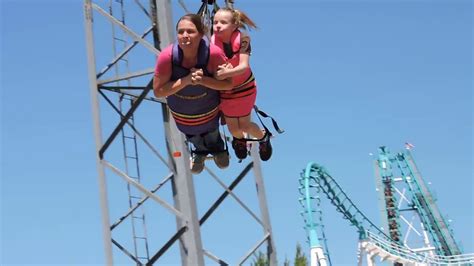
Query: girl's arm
x: 226, y: 72
x: 244, y: 58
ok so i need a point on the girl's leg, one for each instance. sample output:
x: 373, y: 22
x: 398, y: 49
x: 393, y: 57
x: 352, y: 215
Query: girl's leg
x: 265, y: 147
x: 251, y: 128
x: 233, y: 126
x: 238, y: 144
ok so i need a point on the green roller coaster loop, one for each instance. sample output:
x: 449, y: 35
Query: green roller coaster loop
x: 315, y: 180
x: 327, y: 184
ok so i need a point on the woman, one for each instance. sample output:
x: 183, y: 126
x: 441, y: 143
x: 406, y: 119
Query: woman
x: 185, y: 75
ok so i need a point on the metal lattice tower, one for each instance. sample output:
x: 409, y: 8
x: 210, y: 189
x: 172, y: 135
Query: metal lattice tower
x: 409, y: 211
x: 140, y: 146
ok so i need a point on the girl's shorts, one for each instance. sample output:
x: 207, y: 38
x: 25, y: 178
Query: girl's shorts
x: 238, y: 107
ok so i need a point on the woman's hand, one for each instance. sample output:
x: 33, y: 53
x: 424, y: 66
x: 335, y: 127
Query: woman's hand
x: 196, y: 75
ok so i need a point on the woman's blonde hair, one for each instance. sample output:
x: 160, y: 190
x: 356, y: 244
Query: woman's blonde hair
x: 240, y: 18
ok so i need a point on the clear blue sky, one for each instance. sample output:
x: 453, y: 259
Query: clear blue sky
x: 341, y: 77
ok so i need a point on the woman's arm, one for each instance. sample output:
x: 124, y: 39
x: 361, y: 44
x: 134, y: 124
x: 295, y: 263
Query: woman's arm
x: 163, y: 87
x: 220, y: 85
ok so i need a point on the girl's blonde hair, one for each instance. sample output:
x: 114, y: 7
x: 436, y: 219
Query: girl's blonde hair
x: 240, y: 18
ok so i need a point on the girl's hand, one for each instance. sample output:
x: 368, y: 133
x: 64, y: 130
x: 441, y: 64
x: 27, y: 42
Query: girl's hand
x: 222, y: 70
x: 220, y: 74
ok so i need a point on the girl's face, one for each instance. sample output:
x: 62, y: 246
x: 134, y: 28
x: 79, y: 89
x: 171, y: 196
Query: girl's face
x: 223, y: 26
x: 188, y: 35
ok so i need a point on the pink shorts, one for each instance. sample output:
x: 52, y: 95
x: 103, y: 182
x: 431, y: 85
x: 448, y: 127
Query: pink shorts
x: 238, y: 107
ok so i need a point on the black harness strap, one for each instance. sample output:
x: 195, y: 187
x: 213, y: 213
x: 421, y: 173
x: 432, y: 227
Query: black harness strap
x: 275, y: 124
x: 206, y: 14
x: 268, y: 133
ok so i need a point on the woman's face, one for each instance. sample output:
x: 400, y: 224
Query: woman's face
x: 223, y: 26
x: 188, y: 35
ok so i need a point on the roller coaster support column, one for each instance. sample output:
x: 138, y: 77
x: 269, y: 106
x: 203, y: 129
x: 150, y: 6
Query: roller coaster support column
x: 317, y: 255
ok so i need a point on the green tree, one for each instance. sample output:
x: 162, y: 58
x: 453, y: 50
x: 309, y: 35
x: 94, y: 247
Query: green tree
x: 260, y: 259
x: 300, y: 258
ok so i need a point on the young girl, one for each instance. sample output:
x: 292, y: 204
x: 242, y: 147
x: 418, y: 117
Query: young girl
x: 237, y: 104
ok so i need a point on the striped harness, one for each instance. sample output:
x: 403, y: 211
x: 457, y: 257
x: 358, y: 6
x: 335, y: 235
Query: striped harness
x: 195, y: 108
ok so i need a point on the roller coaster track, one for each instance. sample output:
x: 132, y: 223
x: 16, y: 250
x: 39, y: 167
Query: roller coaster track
x: 391, y: 251
x: 373, y: 241
x: 425, y: 203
